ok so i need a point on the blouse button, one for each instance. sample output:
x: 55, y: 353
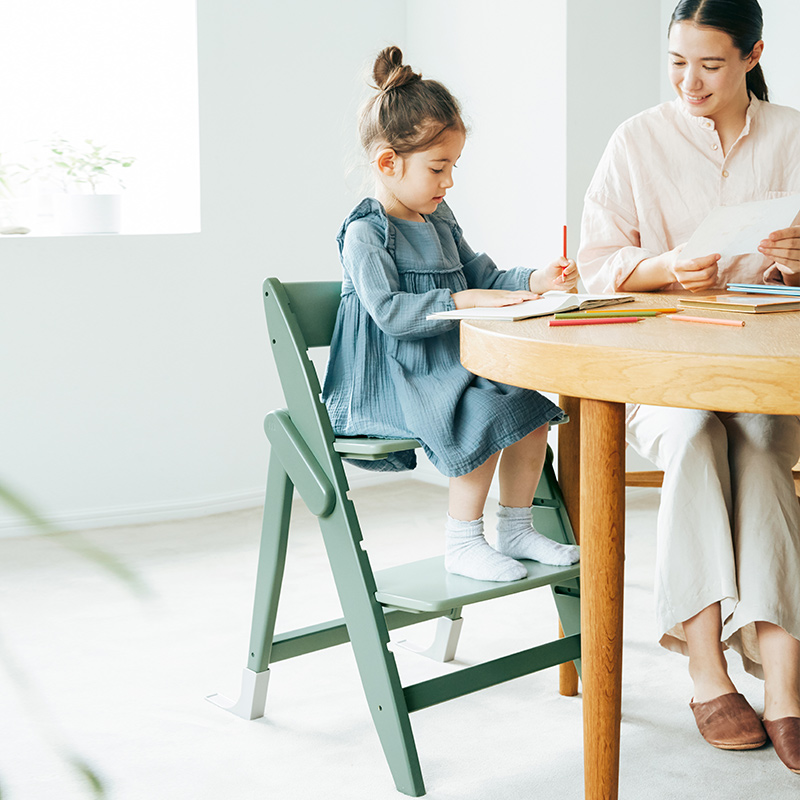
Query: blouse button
x: 715, y: 147
x: 725, y: 173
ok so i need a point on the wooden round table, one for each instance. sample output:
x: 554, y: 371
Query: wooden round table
x: 597, y: 369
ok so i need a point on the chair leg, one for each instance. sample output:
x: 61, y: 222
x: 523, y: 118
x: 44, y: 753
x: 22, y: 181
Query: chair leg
x: 555, y: 523
x: 269, y: 577
x: 369, y: 637
x: 445, y: 640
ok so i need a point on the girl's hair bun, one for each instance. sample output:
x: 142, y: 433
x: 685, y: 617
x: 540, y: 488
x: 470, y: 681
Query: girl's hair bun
x: 389, y: 72
x: 411, y: 118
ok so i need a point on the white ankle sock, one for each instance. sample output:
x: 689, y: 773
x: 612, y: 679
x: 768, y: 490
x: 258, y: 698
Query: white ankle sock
x: 468, y: 553
x: 517, y: 538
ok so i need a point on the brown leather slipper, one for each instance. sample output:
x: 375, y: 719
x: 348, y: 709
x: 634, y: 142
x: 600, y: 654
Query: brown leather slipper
x: 785, y: 735
x: 729, y: 723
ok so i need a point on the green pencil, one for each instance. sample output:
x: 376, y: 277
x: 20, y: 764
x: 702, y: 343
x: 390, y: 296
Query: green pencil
x: 631, y: 312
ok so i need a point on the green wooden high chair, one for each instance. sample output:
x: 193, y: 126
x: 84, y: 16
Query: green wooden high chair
x: 305, y: 454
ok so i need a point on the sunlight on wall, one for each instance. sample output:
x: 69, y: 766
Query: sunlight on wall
x: 118, y: 72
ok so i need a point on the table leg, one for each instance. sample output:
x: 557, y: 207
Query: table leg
x: 569, y: 479
x: 602, y: 495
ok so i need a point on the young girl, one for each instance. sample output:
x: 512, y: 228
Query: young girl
x: 728, y: 568
x: 394, y: 373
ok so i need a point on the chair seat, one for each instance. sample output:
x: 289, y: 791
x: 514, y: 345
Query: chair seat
x: 425, y: 586
x: 366, y: 448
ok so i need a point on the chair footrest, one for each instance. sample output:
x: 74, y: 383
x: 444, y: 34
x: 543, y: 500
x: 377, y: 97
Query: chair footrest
x: 426, y: 586
x: 366, y: 448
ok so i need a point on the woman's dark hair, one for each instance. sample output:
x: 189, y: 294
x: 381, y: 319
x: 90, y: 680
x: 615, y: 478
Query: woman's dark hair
x: 740, y: 19
x: 408, y: 113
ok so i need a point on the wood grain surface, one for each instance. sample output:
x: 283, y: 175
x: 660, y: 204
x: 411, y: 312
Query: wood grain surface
x: 655, y: 361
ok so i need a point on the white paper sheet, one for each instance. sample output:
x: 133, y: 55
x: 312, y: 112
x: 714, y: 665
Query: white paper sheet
x: 734, y: 230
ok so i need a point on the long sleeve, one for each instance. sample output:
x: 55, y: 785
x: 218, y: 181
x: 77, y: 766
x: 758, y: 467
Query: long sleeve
x: 374, y: 276
x: 610, y: 229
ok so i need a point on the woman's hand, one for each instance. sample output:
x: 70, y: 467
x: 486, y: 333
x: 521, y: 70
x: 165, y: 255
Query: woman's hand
x: 694, y: 274
x: 562, y: 274
x: 492, y: 298
x: 783, y: 247
x: 658, y: 272
x: 697, y: 274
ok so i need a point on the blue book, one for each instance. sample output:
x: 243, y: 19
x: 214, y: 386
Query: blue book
x: 765, y: 288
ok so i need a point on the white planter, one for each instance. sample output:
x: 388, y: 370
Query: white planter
x: 17, y: 215
x: 88, y: 213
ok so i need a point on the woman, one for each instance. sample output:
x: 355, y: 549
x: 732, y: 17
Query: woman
x: 728, y: 571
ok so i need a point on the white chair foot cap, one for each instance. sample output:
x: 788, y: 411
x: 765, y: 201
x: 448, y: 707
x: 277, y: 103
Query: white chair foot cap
x: 252, y: 698
x: 445, y: 641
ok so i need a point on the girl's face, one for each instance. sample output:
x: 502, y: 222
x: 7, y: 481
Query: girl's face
x: 708, y: 71
x: 415, y: 184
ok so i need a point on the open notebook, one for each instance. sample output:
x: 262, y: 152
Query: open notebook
x: 550, y: 302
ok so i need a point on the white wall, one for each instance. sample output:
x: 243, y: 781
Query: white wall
x: 136, y: 372
x: 612, y: 73
x: 505, y: 62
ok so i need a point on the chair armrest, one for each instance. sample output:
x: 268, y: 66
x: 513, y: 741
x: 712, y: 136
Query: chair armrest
x: 365, y: 448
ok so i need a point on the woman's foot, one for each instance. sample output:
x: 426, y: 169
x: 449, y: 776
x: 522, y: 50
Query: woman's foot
x: 517, y: 538
x: 785, y: 736
x: 729, y: 722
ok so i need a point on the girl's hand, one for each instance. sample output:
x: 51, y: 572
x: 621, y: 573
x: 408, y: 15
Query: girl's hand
x: 562, y: 274
x: 783, y: 247
x: 491, y: 298
x: 694, y: 274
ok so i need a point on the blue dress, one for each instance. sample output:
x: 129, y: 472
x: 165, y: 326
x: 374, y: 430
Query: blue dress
x: 393, y: 373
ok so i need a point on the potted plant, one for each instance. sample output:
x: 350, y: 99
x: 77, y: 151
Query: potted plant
x: 81, y: 170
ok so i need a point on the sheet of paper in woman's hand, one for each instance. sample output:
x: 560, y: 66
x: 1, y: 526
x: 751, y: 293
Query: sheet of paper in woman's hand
x: 734, y: 230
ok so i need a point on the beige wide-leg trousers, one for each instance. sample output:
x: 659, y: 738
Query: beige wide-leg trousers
x: 728, y: 523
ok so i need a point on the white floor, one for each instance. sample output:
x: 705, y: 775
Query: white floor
x: 119, y: 680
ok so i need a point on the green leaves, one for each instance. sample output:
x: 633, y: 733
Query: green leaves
x: 85, y: 162
x: 73, y: 542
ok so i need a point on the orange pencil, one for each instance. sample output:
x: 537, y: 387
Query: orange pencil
x: 737, y: 323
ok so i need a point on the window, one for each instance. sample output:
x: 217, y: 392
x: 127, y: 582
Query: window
x: 120, y: 73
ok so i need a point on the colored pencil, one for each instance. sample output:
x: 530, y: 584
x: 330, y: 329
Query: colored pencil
x: 600, y: 321
x: 631, y: 310
x: 565, y: 241
x: 634, y: 312
x: 683, y: 318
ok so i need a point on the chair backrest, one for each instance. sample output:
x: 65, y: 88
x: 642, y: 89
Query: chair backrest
x: 314, y: 305
x: 299, y: 316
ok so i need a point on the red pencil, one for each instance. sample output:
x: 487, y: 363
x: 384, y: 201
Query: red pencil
x: 592, y: 321
x: 565, y: 241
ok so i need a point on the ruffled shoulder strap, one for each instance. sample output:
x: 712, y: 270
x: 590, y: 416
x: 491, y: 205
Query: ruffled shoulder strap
x: 370, y: 209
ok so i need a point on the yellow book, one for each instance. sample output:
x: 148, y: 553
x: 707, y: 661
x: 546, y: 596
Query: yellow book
x: 747, y: 303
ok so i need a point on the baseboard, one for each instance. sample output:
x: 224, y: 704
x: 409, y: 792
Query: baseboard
x: 87, y: 519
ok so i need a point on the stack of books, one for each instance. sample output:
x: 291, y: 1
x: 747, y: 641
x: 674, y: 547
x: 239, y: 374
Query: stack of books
x: 751, y: 298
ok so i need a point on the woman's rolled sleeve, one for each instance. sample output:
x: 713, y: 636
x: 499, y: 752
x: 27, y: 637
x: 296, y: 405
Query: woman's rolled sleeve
x: 610, y: 249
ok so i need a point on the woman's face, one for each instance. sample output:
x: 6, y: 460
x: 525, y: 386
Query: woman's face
x: 708, y: 71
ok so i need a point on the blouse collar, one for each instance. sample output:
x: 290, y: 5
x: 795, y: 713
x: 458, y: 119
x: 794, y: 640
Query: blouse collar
x: 708, y: 124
